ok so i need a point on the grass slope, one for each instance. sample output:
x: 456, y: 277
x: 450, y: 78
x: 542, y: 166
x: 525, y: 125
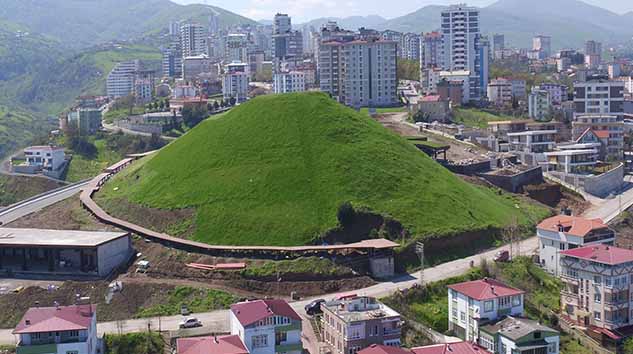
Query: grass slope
x: 476, y: 118
x: 275, y: 170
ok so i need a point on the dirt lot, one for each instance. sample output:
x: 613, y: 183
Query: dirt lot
x: 16, y: 188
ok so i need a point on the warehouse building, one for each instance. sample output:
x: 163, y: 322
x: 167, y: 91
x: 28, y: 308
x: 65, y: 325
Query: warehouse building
x: 62, y: 253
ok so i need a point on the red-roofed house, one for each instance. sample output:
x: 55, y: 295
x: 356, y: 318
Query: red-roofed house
x: 60, y: 329
x: 598, y: 283
x: 267, y: 326
x: 563, y: 232
x: 451, y: 348
x: 474, y: 302
x: 217, y: 345
x: 383, y: 349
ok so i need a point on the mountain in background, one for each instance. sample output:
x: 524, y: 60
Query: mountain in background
x: 569, y: 22
x: 352, y: 22
x: 84, y: 23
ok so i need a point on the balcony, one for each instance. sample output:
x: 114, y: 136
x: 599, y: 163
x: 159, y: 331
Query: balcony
x: 569, y: 298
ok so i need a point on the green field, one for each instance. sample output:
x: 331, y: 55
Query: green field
x: 275, y: 170
x: 82, y: 167
x: 196, y: 300
x: 476, y: 118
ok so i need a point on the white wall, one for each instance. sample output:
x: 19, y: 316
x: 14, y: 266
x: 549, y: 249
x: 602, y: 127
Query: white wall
x: 110, y: 255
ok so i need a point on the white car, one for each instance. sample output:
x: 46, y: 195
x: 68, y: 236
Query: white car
x: 190, y: 322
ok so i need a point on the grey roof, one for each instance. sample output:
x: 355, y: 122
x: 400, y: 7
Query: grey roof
x: 55, y: 238
x: 516, y: 328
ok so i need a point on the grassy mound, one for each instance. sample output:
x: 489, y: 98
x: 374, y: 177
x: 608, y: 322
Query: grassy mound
x: 275, y: 170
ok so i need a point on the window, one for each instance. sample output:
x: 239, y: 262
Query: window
x: 280, y: 337
x: 596, y: 315
x: 504, y: 302
x: 72, y: 352
x: 551, y: 348
x: 259, y: 341
x: 597, y: 280
x: 489, y: 306
x: 597, y: 298
x: 516, y: 300
x: 462, y: 316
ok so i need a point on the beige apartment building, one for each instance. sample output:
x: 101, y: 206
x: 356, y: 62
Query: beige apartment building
x: 351, y: 323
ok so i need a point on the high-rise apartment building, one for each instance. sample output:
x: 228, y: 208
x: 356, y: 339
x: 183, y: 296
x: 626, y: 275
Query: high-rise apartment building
x: 120, y: 81
x: 431, y: 50
x: 409, y: 46
x: 172, y: 60
x: 290, y: 81
x: 235, y: 81
x: 359, y: 73
x: 462, y: 49
x: 593, y: 54
x: 498, y: 43
x: 598, y: 95
x: 543, y: 45
x: 236, y: 48
x: 193, y: 39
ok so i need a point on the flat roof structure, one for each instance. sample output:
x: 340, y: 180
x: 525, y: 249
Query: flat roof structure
x: 55, y: 238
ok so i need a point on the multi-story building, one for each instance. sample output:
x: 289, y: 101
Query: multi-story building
x: 563, y: 232
x: 572, y: 158
x: 462, y: 48
x: 542, y: 45
x: 598, y: 287
x: 539, y: 104
x: 59, y: 329
x: 120, y: 81
x: 359, y: 73
x: 87, y: 121
x: 267, y: 326
x: 291, y: 81
x: 475, y: 303
x: 498, y: 45
x: 431, y: 50
x: 45, y: 157
x: 235, y: 81
x: 457, y: 76
x: 199, y: 65
x: 514, y: 335
x: 593, y: 54
x: 500, y: 92
x: 287, y: 43
x: 557, y: 92
x: 143, y: 90
x: 236, y: 48
x: 599, y: 96
x: 409, y: 48
x: 609, y: 128
x: 452, y: 91
x: 351, y: 323
x: 532, y: 141
x: 519, y: 88
x: 193, y: 39
x: 172, y: 61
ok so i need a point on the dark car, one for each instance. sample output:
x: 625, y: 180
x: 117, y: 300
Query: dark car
x: 502, y: 256
x: 314, y: 308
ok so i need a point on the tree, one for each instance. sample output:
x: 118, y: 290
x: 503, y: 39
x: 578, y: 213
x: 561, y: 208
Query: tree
x: 408, y: 70
x: 345, y: 214
x: 166, y: 100
x: 216, y: 106
x: 232, y: 101
x: 162, y: 105
x: 192, y: 116
x: 627, y: 347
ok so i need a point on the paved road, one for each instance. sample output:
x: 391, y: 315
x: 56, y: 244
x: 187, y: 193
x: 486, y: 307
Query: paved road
x: 12, y: 213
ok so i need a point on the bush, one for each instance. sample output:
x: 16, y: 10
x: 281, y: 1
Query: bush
x: 345, y: 214
x: 137, y: 343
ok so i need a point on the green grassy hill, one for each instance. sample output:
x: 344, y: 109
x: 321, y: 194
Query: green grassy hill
x: 275, y: 170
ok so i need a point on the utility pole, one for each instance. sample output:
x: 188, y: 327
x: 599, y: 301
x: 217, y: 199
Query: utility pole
x: 419, y: 249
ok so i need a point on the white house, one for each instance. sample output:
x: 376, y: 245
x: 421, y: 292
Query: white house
x: 286, y: 82
x: 562, y: 232
x: 267, y: 326
x: 473, y: 303
x: 59, y: 330
x: 45, y: 157
x: 518, y: 335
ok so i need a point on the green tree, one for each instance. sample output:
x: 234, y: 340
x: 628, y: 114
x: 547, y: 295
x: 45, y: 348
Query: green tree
x: 192, y: 116
x: 345, y: 214
x: 162, y: 105
x: 627, y: 347
x: 408, y: 69
x: 216, y: 106
x: 232, y: 101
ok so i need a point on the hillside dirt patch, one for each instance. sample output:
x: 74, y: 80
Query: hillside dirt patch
x: 16, y: 188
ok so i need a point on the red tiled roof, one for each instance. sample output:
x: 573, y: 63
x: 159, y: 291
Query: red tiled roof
x: 250, y: 312
x: 602, y: 254
x: 573, y: 225
x: 485, y: 289
x: 432, y: 98
x: 383, y: 349
x: 216, y: 345
x: 451, y: 348
x: 52, y: 319
x: 602, y: 134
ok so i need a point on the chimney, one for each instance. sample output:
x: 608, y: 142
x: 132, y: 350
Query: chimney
x: 492, y: 288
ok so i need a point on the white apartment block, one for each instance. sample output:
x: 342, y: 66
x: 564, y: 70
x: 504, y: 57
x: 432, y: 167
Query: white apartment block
x: 500, y: 92
x: 474, y: 303
x: 431, y: 50
x: 462, y: 51
x: 193, y: 39
x: 410, y: 46
x: 286, y: 82
x: 46, y: 157
x: 59, y: 330
x: 542, y: 45
x: 235, y: 81
x: 611, y: 127
x: 120, y: 81
x: 598, y: 282
x: 539, y: 104
x: 236, y: 48
x: 267, y: 326
x: 557, y: 92
x: 597, y: 96
x: 562, y: 232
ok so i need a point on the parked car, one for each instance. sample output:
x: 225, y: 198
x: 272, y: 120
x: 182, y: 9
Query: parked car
x: 314, y: 308
x: 502, y: 256
x: 190, y: 322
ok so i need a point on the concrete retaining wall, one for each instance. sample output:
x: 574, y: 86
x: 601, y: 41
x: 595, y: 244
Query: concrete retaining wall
x: 515, y: 183
x: 606, y: 183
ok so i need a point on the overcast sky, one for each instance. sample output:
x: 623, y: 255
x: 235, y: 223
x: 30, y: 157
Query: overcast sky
x: 304, y: 10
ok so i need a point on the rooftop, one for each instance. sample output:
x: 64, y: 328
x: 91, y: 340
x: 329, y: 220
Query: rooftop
x: 516, y: 328
x: 571, y: 225
x: 56, y: 238
x: 372, y: 308
x: 451, y: 348
x: 216, y: 345
x: 485, y: 289
x: 52, y: 319
x: 44, y: 147
x: 602, y: 254
x: 383, y: 349
x: 250, y: 312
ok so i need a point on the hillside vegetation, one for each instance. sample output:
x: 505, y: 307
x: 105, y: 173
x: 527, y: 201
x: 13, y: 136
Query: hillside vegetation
x: 276, y: 169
